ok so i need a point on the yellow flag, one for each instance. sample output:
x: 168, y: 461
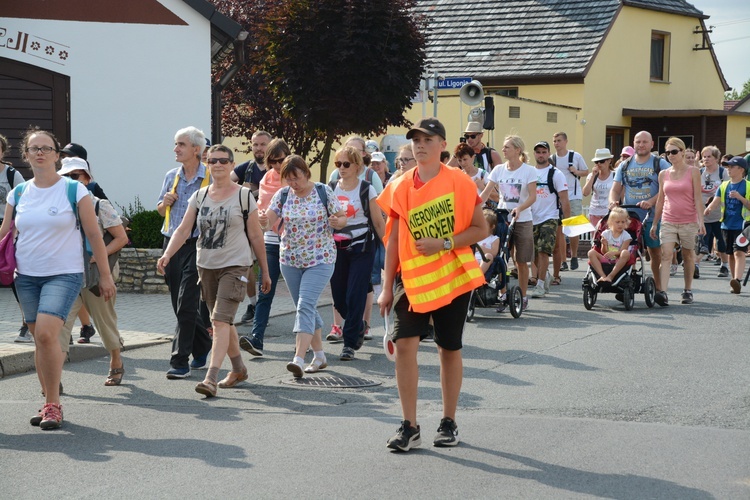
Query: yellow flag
x: 576, y: 226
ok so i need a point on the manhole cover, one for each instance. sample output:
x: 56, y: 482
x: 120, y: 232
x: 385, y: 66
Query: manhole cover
x: 331, y: 381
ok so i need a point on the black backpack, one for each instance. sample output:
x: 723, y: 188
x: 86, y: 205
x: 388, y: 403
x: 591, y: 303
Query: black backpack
x: 11, y: 173
x: 624, y: 168
x: 551, y: 186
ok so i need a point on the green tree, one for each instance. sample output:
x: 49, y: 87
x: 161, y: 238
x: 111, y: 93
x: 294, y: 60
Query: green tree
x: 733, y: 95
x: 328, y: 68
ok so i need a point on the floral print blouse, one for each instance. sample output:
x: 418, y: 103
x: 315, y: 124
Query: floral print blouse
x: 306, y: 235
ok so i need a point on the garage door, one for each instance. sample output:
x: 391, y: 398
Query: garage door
x: 32, y: 96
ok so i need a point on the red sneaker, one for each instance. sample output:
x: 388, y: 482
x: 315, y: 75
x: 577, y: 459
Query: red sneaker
x: 52, y: 417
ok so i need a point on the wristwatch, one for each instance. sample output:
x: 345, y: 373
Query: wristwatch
x: 447, y: 244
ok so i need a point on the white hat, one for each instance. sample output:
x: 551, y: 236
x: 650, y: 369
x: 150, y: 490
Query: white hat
x: 371, y: 146
x: 602, y: 154
x: 473, y: 128
x: 378, y: 156
x: 71, y: 164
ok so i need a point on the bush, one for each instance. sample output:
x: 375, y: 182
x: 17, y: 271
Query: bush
x: 145, y: 225
x: 145, y: 229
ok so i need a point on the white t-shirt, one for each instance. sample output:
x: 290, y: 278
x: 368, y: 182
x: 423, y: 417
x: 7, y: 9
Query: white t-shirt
x: 48, y: 241
x: 352, y: 206
x: 514, y: 187
x: 575, y: 190
x: 486, y: 246
x: 615, y: 243
x: 599, y: 204
x: 545, y: 206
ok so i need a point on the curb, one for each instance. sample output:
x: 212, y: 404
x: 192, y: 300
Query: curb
x: 23, y: 362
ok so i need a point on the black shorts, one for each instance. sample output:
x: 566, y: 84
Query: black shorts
x: 730, y: 238
x: 448, y: 320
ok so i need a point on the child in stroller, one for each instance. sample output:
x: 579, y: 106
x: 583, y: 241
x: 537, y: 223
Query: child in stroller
x: 613, y: 247
x: 618, y: 270
x: 492, y: 254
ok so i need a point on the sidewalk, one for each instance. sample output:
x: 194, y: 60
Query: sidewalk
x: 144, y: 320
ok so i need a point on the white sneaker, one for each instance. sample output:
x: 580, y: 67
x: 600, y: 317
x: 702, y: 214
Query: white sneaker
x: 547, y: 281
x: 673, y: 269
x: 537, y: 291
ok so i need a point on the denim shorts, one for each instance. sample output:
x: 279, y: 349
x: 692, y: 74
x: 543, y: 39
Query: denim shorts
x: 52, y: 295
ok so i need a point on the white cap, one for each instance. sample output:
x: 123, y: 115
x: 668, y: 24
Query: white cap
x: 378, y: 156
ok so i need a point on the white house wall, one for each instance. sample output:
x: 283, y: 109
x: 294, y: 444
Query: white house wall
x: 132, y: 86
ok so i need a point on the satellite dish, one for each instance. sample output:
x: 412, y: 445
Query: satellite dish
x: 476, y: 115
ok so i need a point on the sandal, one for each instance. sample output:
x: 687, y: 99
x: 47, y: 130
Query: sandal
x: 556, y: 280
x: 316, y: 365
x: 233, y: 378
x: 113, y: 378
x: 208, y: 389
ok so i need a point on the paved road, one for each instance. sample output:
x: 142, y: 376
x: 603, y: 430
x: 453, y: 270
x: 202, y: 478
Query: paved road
x: 561, y: 403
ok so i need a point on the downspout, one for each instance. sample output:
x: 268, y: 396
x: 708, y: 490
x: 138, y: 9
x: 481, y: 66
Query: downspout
x: 218, y: 88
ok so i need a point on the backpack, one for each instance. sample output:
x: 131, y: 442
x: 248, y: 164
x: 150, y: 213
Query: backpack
x: 319, y: 187
x: 245, y: 207
x: 107, y: 237
x: 486, y: 152
x: 624, y: 168
x: 364, y: 199
x: 570, y: 164
x: 551, y: 186
x: 11, y: 173
x: 721, y: 173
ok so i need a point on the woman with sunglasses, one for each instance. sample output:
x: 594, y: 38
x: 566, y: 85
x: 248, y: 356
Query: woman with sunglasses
x: 516, y: 181
x: 276, y: 153
x: 49, y: 259
x: 102, y: 311
x: 307, y: 252
x: 369, y: 175
x: 355, y: 244
x: 226, y: 240
x: 599, y: 184
x: 679, y: 207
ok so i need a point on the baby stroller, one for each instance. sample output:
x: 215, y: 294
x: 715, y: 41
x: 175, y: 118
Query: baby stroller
x: 631, y: 280
x: 497, y: 275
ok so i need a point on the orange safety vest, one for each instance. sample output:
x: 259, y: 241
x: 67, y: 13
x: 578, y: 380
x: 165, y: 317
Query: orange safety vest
x: 443, y: 207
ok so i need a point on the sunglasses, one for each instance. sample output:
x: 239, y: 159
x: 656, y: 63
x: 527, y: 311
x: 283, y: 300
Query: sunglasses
x: 223, y: 161
x: 470, y: 136
x: 75, y: 177
x: 404, y: 161
x: 599, y: 161
x: 344, y: 164
x: 672, y: 151
x: 274, y: 162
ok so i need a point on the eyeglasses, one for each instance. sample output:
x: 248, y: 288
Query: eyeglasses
x: 470, y: 136
x: 274, y: 162
x: 344, y: 164
x: 599, y: 161
x: 44, y: 149
x: 404, y: 161
x: 223, y: 161
x: 672, y: 151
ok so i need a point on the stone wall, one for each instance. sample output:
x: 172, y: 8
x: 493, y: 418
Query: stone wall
x: 138, y: 271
